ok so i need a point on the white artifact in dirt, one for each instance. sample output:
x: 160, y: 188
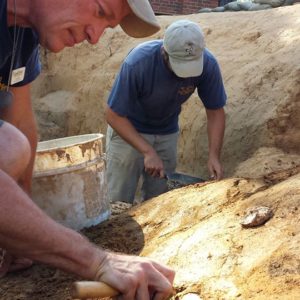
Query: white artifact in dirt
x: 257, y: 216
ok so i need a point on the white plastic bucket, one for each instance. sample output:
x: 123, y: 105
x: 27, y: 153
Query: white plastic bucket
x: 69, y: 181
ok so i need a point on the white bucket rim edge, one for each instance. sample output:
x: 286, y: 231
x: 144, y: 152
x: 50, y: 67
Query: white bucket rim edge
x: 97, y: 136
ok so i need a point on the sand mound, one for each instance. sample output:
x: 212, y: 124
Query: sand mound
x: 197, y: 231
x: 213, y: 255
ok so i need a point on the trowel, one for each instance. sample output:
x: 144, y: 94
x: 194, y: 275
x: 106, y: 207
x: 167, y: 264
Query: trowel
x: 92, y: 289
x: 95, y: 289
x: 182, y: 179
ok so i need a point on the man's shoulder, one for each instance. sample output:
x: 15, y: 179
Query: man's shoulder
x: 209, y: 58
x: 210, y: 63
x: 144, y: 52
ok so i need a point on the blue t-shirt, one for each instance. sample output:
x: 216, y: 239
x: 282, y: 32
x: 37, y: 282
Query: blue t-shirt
x: 27, y: 52
x: 150, y: 95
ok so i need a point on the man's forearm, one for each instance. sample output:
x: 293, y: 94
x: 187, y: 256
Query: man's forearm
x: 26, y: 231
x: 215, y: 131
x: 152, y: 162
x: 125, y: 129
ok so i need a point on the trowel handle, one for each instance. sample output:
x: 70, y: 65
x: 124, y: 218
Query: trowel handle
x: 92, y: 289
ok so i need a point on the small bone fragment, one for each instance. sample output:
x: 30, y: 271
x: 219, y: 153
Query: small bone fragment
x: 257, y: 216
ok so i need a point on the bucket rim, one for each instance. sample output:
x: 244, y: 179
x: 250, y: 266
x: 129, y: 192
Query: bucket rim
x: 91, y: 137
x: 99, y: 161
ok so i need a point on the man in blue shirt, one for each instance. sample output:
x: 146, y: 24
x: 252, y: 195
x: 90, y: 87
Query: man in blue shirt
x: 156, y: 78
x: 25, y: 230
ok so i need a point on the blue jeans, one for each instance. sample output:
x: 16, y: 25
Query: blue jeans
x: 125, y: 166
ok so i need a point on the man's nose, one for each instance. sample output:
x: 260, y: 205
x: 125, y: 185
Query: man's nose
x: 94, y: 33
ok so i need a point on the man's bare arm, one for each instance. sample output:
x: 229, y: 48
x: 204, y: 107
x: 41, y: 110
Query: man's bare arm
x: 215, y: 131
x: 153, y: 163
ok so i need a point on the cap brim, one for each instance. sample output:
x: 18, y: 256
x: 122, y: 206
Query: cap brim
x: 187, y: 68
x: 142, y: 21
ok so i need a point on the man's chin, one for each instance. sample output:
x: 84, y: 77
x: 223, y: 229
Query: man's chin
x: 53, y: 47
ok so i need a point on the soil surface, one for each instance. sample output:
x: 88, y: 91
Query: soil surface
x: 202, y: 239
x: 41, y: 282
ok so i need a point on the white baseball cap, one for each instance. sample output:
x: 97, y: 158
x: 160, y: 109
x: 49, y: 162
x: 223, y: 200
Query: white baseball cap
x: 142, y: 21
x: 184, y: 43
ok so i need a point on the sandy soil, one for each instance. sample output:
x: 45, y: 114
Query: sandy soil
x: 201, y: 238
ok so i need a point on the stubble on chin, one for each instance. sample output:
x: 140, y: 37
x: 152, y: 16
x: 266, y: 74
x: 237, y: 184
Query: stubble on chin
x: 53, y: 45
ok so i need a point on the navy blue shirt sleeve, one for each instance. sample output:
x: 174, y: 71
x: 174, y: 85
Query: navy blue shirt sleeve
x: 211, y: 88
x: 124, y: 91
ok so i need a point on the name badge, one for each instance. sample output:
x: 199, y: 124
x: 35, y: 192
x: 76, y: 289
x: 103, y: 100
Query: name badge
x: 17, y: 75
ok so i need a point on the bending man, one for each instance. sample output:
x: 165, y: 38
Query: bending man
x: 156, y: 78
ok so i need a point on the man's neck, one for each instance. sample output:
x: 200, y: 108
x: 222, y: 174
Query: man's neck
x: 165, y: 57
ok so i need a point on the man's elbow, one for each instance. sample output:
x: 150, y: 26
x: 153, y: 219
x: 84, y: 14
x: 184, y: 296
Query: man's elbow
x: 111, y: 116
x: 108, y: 114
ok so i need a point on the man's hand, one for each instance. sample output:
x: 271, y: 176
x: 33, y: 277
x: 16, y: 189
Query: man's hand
x: 215, y: 169
x: 153, y: 164
x: 136, y: 277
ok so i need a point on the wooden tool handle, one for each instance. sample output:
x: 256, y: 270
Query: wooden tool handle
x: 92, y: 289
